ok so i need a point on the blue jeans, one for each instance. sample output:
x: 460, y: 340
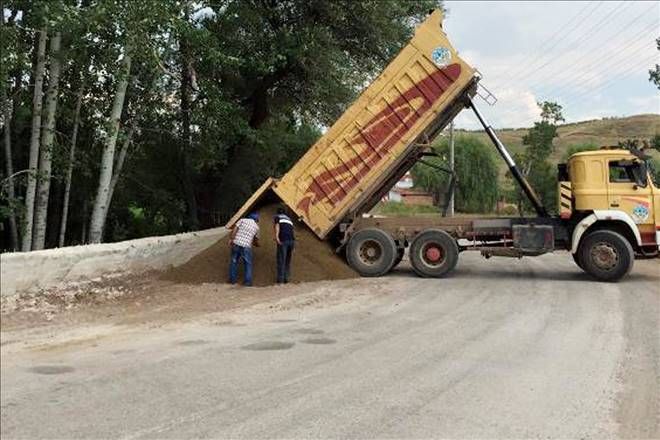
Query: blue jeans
x: 240, y: 253
x: 284, y: 252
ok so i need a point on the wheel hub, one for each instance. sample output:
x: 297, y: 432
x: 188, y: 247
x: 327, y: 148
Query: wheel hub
x: 604, y: 256
x: 370, y: 252
x: 433, y: 254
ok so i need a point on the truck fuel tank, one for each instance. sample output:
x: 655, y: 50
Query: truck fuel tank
x: 531, y: 239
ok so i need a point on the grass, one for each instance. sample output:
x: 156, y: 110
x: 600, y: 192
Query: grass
x: 602, y: 132
x: 398, y: 208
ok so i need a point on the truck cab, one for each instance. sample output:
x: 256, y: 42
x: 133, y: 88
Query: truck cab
x: 609, y: 192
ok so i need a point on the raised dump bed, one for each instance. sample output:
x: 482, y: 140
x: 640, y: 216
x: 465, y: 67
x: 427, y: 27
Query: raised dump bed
x: 389, y: 128
x: 380, y: 136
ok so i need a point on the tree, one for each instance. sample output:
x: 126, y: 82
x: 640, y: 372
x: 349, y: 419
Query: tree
x: 534, y: 160
x: 222, y: 94
x: 296, y: 60
x: 47, y: 145
x: 578, y: 148
x: 654, y: 74
x: 37, y: 104
x: 102, y: 200
x: 7, y: 34
x: 475, y: 166
x: 70, y: 165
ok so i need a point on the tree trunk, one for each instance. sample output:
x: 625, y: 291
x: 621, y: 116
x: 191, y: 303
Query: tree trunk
x: 46, y: 158
x: 118, y: 167
x: 186, y: 138
x: 107, y: 160
x: 69, y: 170
x: 9, y: 168
x: 83, y: 229
x: 34, y: 140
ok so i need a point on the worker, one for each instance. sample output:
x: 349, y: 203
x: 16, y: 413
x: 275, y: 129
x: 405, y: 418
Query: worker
x: 244, y: 234
x: 284, y: 237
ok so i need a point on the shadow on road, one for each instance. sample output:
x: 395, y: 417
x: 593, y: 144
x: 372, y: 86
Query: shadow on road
x: 521, y: 273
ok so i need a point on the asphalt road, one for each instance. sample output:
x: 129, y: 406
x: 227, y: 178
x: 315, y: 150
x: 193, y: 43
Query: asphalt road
x: 503, y: 348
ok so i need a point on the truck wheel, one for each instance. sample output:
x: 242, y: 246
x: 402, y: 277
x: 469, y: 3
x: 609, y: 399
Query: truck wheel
x: 371, y: 252
x: 606, y: 255
x: 433, y: 253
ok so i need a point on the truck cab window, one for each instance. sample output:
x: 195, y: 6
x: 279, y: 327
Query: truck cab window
x: 627, y: 172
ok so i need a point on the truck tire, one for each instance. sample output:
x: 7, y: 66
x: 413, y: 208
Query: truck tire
x: 606, y: 255
x: 371, y: 252
x: 433, y: 253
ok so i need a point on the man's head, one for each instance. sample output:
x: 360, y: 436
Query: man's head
x: 281, y: 210
x: 254, y: 216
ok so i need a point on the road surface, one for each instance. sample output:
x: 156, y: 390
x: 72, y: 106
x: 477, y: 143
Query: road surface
x: 503, y: 348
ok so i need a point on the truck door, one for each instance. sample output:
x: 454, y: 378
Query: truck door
x: 629, y: 190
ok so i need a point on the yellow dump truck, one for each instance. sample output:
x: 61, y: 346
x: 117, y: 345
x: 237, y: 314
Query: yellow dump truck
x: 608, y: 204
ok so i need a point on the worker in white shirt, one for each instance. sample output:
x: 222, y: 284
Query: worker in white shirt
x: 244, y: 234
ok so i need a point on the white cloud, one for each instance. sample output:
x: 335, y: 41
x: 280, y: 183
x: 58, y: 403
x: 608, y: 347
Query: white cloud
x: 529, y: 51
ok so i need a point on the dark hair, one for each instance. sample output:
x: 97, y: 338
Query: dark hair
x: 281, y: 210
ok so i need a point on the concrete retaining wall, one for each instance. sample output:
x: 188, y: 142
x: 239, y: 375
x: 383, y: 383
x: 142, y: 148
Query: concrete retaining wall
x: 38, y: 270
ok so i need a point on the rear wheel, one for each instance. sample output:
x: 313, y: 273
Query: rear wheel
x: 371, y: 252
x: 606, y: 255
x: 433, y: 253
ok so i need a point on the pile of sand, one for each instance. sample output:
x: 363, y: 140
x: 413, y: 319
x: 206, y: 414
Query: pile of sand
x: 313, y: 259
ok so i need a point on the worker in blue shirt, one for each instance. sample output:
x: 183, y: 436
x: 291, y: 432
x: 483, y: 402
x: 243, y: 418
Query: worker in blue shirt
x: 284, y: 236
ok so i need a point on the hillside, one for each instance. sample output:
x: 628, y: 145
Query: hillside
x: 608, y: 131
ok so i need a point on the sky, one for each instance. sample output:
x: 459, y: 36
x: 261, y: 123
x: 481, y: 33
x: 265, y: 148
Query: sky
x: 592, y: 57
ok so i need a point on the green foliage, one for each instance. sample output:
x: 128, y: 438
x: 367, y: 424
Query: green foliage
x: 225, y: 93
x: 654, y: 171
x: 578, y: 148
x: 534, y: 162
x: 474, y: 163
x: 399, y: 208
x: 655, y: 142
x: 654, y: 74
x: 551, y: 112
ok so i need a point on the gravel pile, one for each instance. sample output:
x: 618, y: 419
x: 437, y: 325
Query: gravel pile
x: 313, y: 259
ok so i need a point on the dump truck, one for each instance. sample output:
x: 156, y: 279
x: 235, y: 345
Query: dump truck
x: 608, y: 207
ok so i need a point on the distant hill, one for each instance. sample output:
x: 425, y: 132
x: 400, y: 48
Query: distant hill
x: 606, y: 131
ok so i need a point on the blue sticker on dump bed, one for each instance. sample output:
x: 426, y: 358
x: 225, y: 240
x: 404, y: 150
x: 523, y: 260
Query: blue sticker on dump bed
x: 441, y: 56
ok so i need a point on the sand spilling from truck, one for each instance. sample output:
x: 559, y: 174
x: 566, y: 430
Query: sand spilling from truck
x: 313, y: 259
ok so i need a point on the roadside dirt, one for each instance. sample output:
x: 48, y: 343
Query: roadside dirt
x: 155, y: 302
x: 313, y: 259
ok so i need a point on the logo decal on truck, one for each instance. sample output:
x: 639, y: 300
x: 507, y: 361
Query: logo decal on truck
x: 441, y: 56
x: 640, y: 213
x: 377, y: 138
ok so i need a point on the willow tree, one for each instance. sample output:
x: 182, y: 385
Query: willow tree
x: 477, y: 187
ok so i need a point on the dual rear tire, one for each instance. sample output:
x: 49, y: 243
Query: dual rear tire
x: 373, y: 252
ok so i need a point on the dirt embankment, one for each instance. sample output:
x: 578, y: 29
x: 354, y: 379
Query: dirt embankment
x: 313, y: 259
